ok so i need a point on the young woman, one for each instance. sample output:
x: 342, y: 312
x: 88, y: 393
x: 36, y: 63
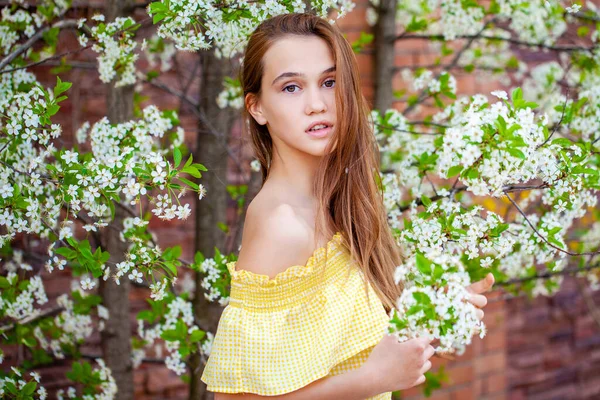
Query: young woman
x: 313, y: 284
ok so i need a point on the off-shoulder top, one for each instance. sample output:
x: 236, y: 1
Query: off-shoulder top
x: 310, y: 321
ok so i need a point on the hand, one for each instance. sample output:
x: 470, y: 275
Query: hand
x: 477, y: 299
x: 394, y: 365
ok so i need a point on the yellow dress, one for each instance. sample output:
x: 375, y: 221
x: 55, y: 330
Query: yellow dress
x: 278, y: 335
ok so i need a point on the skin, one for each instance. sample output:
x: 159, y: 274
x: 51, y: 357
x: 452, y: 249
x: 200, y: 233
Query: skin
x: 287, y: 107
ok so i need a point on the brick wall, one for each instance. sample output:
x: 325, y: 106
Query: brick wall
x: 543, y: 349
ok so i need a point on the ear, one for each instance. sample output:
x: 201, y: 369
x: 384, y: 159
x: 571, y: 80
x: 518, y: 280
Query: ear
x: 254, y: 108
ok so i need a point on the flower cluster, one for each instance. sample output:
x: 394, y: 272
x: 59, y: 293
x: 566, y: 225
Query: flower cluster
x: 231, y: 96
x: 434, y: 303
x: 20, y: 296
x: 157, y: 49
x: 215, y: 280
x: 227, y: 28
x: 534, y: 21
x: 176, y: 327
x: 17, y: 21
x: 15, y: 384
x: 492, y: 148
x: 98, y: 381
x: 114, y: 42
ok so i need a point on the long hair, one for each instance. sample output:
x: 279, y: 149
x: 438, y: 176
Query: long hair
x: 346, y: 187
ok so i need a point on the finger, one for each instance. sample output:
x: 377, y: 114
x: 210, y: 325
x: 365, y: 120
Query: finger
x: 478, y: 300
x: 420, y: 380
x: 480, y: 314
x: 425, y: 367
x: 425, y: 340
x: 482, y: 285
x: 429, y: 351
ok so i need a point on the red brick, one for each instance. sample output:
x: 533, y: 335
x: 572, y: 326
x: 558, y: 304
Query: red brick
x: 494, y: 319
x: 489, y: 363
x: 494, y: 340
x: 354, y: 20
x: 464, y: 393
x: 410, y: 46
x: 460, y: 374
x: 474, y: 349
x: 529, y: 359
x: 439, y: 395
x: 494, y: 383
x: 139, y: 381
x: 365, y: 64
x: 499, y: 396
x: 163, y: 379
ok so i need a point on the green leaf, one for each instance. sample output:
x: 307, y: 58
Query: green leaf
x: 29, y: 388
x: 452, y: 172
x: 152, y: 74
x: 562, y: 142
x: 170, y: 335
x: 156, y: 7
x: 156, y: 18
x: 176, y: 157
x: 61, y: 86
x: 66, y: 252
x: 516, y: 94
x: 52, y: 109
x: 169, y: 266
x: 29, y: 341
x: 189, y: 160
x: 422, y: 298
x: 416, y: 24
x: 583, y: 31
x: 199, y: 258
x: 4, y: 283
x: 197, y: 335
x: 146, y: 315
x: 426, y: 201
x: 516, y: 153
x: 199, y: 167
x: 423, y: 264
x: 189, y: 183
x: 192, y: 171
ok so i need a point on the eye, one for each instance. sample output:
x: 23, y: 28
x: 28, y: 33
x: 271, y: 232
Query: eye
x: 289, y: 86
x: 331, y: 81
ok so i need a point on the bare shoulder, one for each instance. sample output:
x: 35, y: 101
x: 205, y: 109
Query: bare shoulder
x: 275, y: 237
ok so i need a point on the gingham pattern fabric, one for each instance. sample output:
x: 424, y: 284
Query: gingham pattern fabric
x: 310, y: 321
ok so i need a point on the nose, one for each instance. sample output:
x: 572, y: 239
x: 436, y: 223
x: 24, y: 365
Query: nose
x: 315, y: 101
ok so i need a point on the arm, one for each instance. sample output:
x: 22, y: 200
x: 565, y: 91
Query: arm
x: 352, y: 385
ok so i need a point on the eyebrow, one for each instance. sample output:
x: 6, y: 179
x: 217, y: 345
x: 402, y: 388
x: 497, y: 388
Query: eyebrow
x: 292, y: 74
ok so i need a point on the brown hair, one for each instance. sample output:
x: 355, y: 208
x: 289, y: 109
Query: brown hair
x: 345, y: 185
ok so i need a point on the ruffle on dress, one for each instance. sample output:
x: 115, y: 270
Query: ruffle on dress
x: 278, y: 335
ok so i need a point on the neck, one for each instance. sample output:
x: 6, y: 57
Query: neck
x: 295, y: 171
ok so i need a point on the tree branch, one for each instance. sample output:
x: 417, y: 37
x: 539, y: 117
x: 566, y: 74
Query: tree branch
x: 31, y: 318
x: 547, y: 275
x: 543, y: 238
x: 498, y: 38
x: 422, y: 95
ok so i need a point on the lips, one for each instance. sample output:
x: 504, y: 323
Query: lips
x: 326, y: 123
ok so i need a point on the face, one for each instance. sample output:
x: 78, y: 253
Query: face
x: 297, y: 92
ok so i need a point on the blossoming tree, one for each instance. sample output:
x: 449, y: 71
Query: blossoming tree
x: 85, y: 207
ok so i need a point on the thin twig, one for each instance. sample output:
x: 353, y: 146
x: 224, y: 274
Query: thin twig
x: 422, y: 96
x: 543, y: 238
